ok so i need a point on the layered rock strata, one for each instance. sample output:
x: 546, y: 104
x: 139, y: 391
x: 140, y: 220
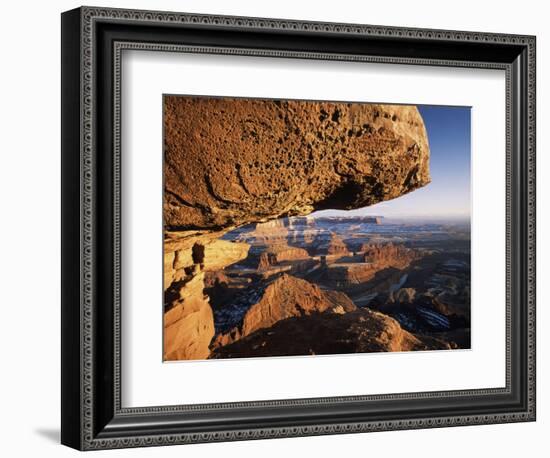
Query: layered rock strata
x: 277, y: 254
x: 388, y: 255
x: 189, y: 323
x: 188, y: 317
x: 187, y: 251
x: 330, y: 244
x: 375, y: 258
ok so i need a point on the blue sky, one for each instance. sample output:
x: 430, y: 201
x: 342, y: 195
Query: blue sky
x: 448, y: 194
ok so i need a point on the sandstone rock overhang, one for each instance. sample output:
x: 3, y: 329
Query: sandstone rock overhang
x: 232, y: 161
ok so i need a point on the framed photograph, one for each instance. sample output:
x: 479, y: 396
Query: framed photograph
x: 276, y: 228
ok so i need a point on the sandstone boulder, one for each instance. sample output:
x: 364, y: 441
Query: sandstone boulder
x: 233, y: 161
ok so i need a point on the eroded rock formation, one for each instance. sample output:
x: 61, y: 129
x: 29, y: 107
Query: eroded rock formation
x: 186, y: 252
x: 188, y: 317
x: 377, y: 260
x: 359, y: 331
x: 388, y: 255
x: 405, y: 296
x: 330, y: 244
x: 283, y: 298
x: 280, y: 253
x: 344, y: 274
x: 233, y: 161
x: 189, y: 323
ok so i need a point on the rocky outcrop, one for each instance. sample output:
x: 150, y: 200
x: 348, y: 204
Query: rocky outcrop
x: 358, y: 331
x: 188, y: 317
x: 270, y: 232
x: 186, y: 252
x: 301, y: 223
x: 220, y: 253
x: 283, y: 298
x: 189, y: 323
x: 405, y: 296
x: 277, y: 254
x: 288, y: 296
x: 388, y: 255
x: 376, y: 267
x: 230, y: 162
x: 346, y: 274
x: 295, y: 231
x: 330, y: 244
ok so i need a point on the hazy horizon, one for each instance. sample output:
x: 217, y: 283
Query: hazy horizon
x: 391, y: 218
x: 447, y: 196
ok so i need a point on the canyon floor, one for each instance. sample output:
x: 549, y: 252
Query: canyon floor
x: 323, y: 285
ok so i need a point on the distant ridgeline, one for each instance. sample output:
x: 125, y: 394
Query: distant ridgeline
x: 350, y: 219
x: 298, y: 221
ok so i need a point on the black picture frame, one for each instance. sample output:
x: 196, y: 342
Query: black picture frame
x: 92, y: 416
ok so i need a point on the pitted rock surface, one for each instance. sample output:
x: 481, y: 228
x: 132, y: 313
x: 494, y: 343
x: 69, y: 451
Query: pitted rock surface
x: 234, y: 161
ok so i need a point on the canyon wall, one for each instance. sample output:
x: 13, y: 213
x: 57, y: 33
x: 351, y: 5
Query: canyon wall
x: 375, y: 258
x: 279, y: 253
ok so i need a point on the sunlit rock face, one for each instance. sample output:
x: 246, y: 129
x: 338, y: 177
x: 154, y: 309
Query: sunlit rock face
x: 329, y: 244
x: 276, y: 254
x: 387, y: 254
x: 189, y: 323
x: 283, y: 298
x: 188, y: 317
x: 188, y: 251
x: 233, y: 161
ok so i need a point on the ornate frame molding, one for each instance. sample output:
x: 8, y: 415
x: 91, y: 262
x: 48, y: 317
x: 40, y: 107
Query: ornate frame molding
x: 89, y: 435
